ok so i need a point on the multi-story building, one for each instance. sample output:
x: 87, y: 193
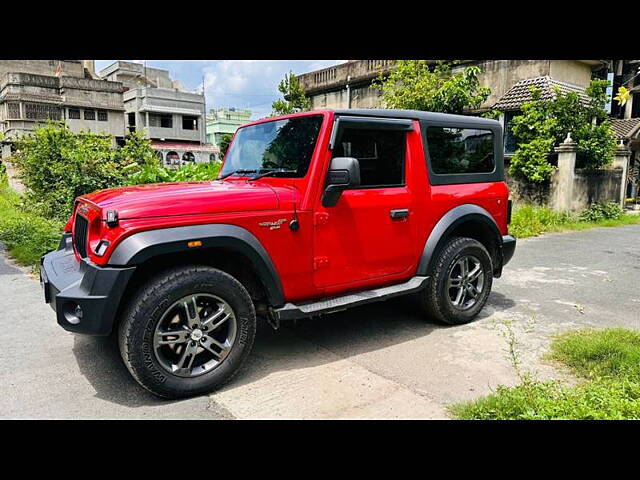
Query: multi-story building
x: 172, y: 117
x: 34, y: 91
x: 223, y: 121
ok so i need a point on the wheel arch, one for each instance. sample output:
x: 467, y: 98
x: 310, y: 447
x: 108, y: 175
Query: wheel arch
x: 466, y: 220
x: 231, y: 248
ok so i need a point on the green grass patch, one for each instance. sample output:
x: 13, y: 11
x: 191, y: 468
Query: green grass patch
x: 26, y: 234
x: 608, y: 362
x: 531, y: 221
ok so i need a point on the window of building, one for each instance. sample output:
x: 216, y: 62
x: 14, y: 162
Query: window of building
x: 89, y: 115
x: 460, y: 150
x: 189, y: 122
x: 39, y: 111
x: 188, y: 157
x: 381, y: 154
x: 172, y: 158
x: 161, y: 120
x: 102, y: 116
x: 73, y: 113
x: 13, y: 110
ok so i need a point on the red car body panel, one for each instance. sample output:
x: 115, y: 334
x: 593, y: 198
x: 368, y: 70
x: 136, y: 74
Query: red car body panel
x: 351, y: 246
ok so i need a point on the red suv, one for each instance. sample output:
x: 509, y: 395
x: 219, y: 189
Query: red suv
x: 313, y: 213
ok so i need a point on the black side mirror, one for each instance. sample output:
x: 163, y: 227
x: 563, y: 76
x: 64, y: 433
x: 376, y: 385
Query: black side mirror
x: 344, y: 173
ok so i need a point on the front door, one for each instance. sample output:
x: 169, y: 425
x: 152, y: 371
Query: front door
x: 368, y: 234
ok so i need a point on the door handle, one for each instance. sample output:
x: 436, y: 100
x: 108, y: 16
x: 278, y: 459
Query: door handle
x: 399, y: 213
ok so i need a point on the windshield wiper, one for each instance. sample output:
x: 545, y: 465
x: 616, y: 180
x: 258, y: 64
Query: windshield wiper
x: 240, y: 170
x: 272, y: 172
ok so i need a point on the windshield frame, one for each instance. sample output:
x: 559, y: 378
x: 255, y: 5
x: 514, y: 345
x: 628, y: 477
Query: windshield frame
x: 320, y: 114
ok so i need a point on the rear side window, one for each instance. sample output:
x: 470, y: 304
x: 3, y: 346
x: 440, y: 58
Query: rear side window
x: 380, y: 153
x: 460, y: 150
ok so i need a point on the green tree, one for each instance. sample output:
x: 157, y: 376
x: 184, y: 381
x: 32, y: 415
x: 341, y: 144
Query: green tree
x: 545, y: 123
x: 418, y: 85
x: 294, y: 99
x: 223, y: 144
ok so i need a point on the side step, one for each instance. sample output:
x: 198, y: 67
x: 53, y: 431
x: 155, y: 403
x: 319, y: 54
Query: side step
x: 292, y: 311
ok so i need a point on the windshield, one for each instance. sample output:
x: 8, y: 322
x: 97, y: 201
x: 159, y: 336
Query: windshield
x: 282, y: 144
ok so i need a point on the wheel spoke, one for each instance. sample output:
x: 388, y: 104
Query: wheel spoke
x: 182, y: 336
x: 473, y: 291
x: 454, y: 282
x: 221, y: 316
x: 187, y: 357
x: 459, y: 296
x: 191, y: 309
x: 208, y: 343
x: 475, y: 273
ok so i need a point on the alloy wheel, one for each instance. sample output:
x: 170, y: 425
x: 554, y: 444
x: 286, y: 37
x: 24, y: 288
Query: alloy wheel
x: 195, y: 335
x: 465, y: 282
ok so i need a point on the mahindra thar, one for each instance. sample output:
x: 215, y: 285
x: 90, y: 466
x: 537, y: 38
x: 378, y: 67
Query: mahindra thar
x: 312, y: 213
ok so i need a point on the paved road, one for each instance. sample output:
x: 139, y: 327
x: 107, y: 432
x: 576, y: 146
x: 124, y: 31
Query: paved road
x: 376, y: 361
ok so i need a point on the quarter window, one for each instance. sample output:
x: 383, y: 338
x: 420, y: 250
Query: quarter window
x: 460, y: 150
x: 381, y: 154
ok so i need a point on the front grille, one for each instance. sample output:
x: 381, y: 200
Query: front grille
x: 80, y: 235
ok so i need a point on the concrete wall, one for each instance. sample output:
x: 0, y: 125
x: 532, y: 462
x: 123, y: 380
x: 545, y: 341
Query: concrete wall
x: 595, y: 187
x: 72, y: 68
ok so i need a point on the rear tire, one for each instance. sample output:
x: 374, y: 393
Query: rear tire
x: 187, y: 331
x: 460, y: 282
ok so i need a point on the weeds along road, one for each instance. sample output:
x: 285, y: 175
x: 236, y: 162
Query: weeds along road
x: 376, y: 361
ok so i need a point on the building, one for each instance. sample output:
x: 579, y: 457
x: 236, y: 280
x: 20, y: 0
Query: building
x: 171, y: 117
x: 225, y: 121
x: 34, y: 91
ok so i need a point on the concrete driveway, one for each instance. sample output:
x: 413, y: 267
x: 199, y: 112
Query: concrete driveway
x: 376, y: 361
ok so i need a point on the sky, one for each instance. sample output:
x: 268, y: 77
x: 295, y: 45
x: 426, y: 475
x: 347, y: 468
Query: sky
x: 247, y: 84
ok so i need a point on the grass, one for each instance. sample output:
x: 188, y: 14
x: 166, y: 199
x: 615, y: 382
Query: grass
x: 27, y: 235
x: 608, y: 364
x: 531, y: 221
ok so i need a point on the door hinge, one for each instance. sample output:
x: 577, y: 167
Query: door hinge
x: 320, y: 262
x: 320, y: 218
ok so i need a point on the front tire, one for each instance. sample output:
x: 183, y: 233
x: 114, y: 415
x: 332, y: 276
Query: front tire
x: 460, y: 283
x: 187, y: 331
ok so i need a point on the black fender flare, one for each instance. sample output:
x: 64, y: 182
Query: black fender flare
x: 449, y: 221
x: 140, y: 247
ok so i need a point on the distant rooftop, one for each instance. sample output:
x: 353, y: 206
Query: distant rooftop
x: 520, y: 93
x: 625, y: 127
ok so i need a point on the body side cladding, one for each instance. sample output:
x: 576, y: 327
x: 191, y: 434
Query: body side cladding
x: 452, y: 219
x: 140, y: 247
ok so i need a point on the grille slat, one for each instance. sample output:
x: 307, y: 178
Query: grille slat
x: 80, y: 235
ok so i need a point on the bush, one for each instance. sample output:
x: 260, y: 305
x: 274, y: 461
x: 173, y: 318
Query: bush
x: 56, y: 166
x: 27, y: 236
x: 601, y: 211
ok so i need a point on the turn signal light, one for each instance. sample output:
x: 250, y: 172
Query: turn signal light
x: 195, y: 243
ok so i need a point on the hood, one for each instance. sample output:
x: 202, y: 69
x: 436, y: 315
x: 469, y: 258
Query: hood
x: 184, y: 198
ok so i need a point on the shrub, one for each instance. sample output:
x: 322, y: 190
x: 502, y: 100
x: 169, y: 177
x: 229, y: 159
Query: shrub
x: 27, y: 236
x: 57, y: 165
x: 601, y: 211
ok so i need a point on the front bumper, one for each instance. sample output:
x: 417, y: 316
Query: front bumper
x: 84, y: 296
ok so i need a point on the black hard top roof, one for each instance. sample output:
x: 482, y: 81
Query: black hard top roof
x: 419, y: 115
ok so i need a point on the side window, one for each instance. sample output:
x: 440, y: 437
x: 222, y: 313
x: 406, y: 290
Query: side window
x: 381, y: 154
x: 460, y: 150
